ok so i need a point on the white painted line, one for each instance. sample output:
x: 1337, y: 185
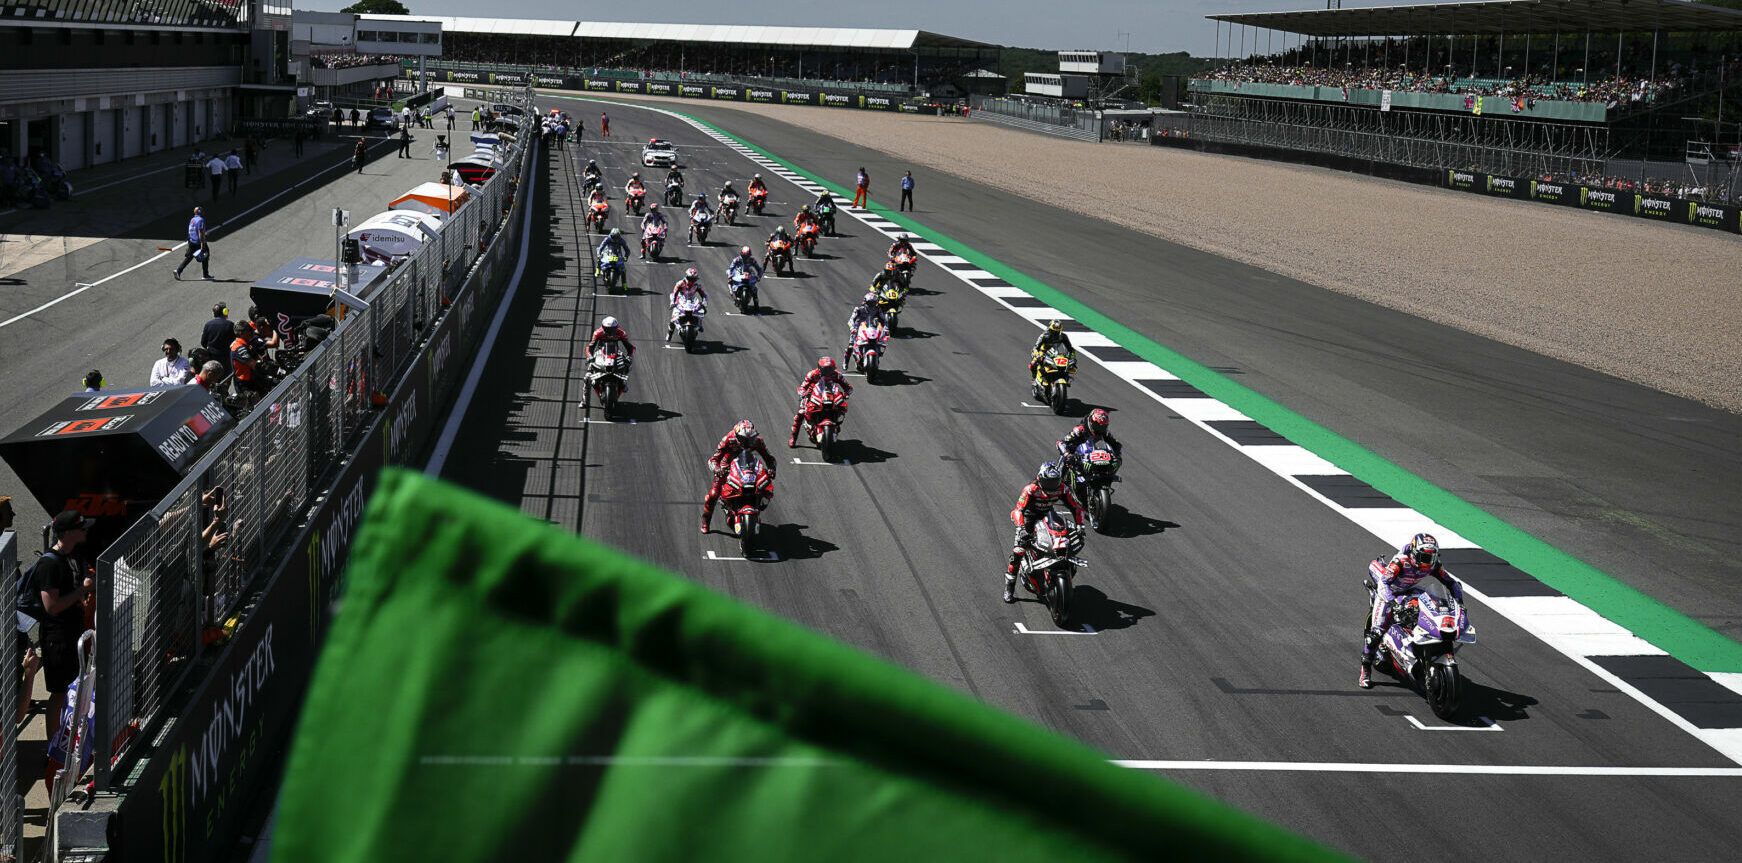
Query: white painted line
x: 764, y: 557
x: 1125, y: 370
x: 463, y: 402
x: 1039, y: 314
x: 1042, y: 407
x: 1293, y: 461
x: 844, y: 462
x: 1024, y: 630
x: 998, y: 291
x: 1728, y: 679
x: 1435, y: 769
x: 1094, y: 340
x: 1204, y: 410
x: 1396, y: 525
x: 1487, y: 725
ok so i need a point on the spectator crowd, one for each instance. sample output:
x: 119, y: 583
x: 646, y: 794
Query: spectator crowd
x: 351, y: 61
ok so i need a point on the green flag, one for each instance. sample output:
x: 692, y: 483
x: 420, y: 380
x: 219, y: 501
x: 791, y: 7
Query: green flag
x: 495, y: 688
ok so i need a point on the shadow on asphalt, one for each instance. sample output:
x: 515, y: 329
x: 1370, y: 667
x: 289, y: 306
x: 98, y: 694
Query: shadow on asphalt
x: 790, y: 542
x: 897, y: 378
x: 1122, y: 523
x: 857, y: 452
x: 642, y: 412
x: 1090, y: 607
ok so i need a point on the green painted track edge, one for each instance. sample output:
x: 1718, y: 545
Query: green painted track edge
x: 1665, y: 628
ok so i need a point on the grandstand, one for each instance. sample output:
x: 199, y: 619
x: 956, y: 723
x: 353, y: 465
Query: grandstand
x: 1531, y: 88
x: 886, y: 60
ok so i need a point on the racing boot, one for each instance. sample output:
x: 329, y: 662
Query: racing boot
x: 707, y: 519
x: 1009, y: 587
x: 1365, y: 681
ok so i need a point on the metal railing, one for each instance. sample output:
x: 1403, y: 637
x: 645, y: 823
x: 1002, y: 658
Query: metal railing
x: 177, y: 580
x: 1047, y: 117
x: 11, y: 801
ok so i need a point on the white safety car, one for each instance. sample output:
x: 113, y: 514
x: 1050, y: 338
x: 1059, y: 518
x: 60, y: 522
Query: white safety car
x: 659, y: 154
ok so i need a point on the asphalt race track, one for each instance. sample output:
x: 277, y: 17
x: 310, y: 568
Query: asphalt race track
x: 1221, y: 610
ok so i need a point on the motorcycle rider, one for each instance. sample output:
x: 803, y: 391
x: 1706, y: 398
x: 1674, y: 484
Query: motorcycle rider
x: 825, y: 371
x: 779, y: 236
x: 1092, y: 429
x: 592, y: 172
x: 698, y: 208
x: 727, y: 190
x: 1418, y: 559
x: 613, y: 242
x: 653, y: 218
x: 804, y: 217
x: 742, y: 437
x: 744, y: 263
x: 1037, y: 499
x: 825, y: 205
x: 886, y: 277
x: 1054, y: 335
x: 756, y: 187
x: 902, y: 245
x: 609, y: 331
x: 634, y: 186
x: 686, y: 288
x: 674, y: 176
x: 867, y: 310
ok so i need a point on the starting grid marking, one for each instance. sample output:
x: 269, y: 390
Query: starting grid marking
x: 1561, y: 622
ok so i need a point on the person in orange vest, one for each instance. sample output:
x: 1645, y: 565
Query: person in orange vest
x: 243, y: 361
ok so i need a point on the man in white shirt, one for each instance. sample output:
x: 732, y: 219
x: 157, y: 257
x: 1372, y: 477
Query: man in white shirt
x: 173, y: 370
x: 216, y: 166
x: 233, y: 167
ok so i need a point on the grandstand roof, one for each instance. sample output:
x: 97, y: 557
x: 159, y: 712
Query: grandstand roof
x: 736, y: 34
x: 1498, y: 16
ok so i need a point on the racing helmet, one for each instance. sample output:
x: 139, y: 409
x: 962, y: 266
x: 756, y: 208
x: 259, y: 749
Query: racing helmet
x: 1098, y: 421
x: 826, y: 365
x: 780, y: 230
x: 1424, y: 550
x: 756, y: 176
x: 805, y: 209
x: 592, y: 164
x: 635, y: 176
x: 743, y: 251
x: 608, y: 323
x: 690, y: 274
x: 616, y: 232
x: 701, y: 198
x: 870, y: 297
x: 653, y: 207
x: 1048, y: 477
x: 1055, y: 326
x: 745, y: 432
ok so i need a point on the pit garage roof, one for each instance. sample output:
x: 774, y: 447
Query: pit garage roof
x: 735, y: 34
x: 1499, y: 16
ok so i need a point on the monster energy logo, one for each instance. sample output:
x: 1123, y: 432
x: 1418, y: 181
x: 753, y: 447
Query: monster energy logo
x: 173, y: 791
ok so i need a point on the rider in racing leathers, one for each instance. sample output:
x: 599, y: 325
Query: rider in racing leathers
x: 742, y: 437
x: 804, y: 217
x: 699, y: 207
x: 1037, y: 499
x: 634, y: 186
x: 778, y: 235
x: 1418, y: 559
x: 901, y: 245
x: 686, y: 288
x: 613, y: 242
x: 825, y: 204
x: 866, y: 310
x: 825, y: 371
x: 1094, y: 428
x: 653, y: 217
x: 1054, y: 335
x: 745, y: 263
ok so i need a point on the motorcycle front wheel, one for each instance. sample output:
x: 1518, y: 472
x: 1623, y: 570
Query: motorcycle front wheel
x: 747, y: 535
x: 1442, y: 684
x: 1058, y: 599
x: 1058, y: 399
x: 1099, y: 501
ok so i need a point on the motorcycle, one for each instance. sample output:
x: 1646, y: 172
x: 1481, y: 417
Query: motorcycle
x: 674, y: 193
x: 700, y: 221
x: 890, y: 300
x: 653, y: 240
x: 689, y: 321
x: 612, y: 271
x: 807, y: 238
x: 608, y: 374
x: 1422, y: 641
x: 601, y: 211
x: 824, y: 411
x: 825, y: 218
x: 904, y: 264
x: 729, y: 209
x: 748, y: 489
x: 1094, y: 469
x: 1048, y: 564
x: 869, y: 344
x: 1052, y: 378
x: 744, y: 293
x: 758, y: 200
x: 637, y: 201
x: 589, y: 183
x: 780, y: 256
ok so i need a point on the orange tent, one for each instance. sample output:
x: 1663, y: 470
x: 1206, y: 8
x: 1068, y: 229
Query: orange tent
x: 435, y: 199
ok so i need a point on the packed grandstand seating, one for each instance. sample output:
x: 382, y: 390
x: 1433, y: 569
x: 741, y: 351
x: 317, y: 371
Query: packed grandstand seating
x: 567, y: 54
x: 1647, y: 185
x: 1380, y: 66
x: 351, y: 61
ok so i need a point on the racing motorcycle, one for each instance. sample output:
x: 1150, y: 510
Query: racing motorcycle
x: 807, y: 238
x: 601, y: 211
x: 653, y: 240
x: 589, y: 183
x: 748, y: 488
x: 700, y: 221
x: 689, y: 320
x: 674, y: 193
x: 612, y: 271
x: 1052, y: 377
x: 904, y: 264
x: 825, y: 217
x: 779, y: 256
x: 869, y: 343
x: 890, y: 299
x: 758, y: 200
x: 1048, y: 564
x: 637, y: 201
x: 1094, y: 468
x: 824, y: 411
x: 608, y: 374
x: 1421, y: 644
x: 744, y: 293
x: 729, y: 208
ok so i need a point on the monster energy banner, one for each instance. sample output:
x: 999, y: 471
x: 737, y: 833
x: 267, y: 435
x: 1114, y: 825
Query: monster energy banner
x: 496, y: 688
x: 1661, y: 208
x: 205, y: 773
x: 692, y: 91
